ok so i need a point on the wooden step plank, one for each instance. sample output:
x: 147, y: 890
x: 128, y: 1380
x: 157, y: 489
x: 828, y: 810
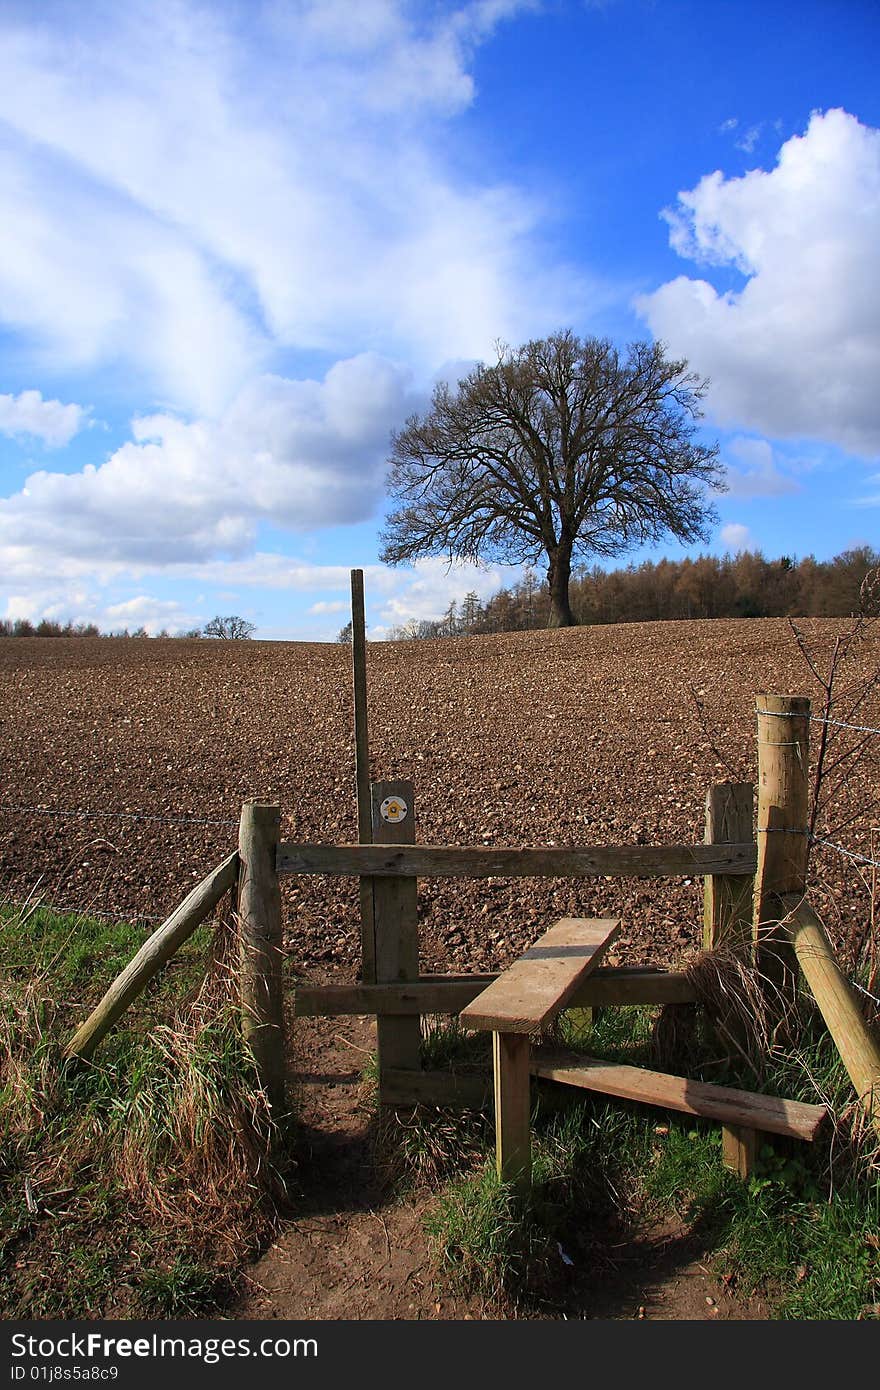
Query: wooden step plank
x: 537, y: 986
x: 793, y: 1118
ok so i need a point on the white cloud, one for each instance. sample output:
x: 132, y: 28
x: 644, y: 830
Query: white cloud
x: 325, y: 606
x: 296, y: 453
x: 795, y: 352
x: 755, y: 472
x: 154, y: 615
x: 83, y: 604
x: 427, y: 590
x: 189, y: 195
x: 736, y: 537
x: 28, y: 414
x: 749, y: 138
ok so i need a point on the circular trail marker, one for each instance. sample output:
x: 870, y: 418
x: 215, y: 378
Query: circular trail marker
x: 394, y: 809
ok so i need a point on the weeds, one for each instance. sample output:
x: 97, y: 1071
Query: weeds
x: 134, y: 1184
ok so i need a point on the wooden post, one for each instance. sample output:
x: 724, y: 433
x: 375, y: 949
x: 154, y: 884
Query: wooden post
x: 739, y: 1147
x: 859, y: 1051
x: 156, y: 950
x: 259, y: 908
x: 727, y: 898
x: 783, y: 817
x: 362, y: 768
x: 513, y: 1155
x: 395, y: 916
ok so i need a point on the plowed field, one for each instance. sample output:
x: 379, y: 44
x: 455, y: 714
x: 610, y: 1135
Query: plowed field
x: 579, y: 737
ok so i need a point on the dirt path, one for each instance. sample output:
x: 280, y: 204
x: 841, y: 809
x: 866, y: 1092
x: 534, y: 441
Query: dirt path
x: 356, y: 1250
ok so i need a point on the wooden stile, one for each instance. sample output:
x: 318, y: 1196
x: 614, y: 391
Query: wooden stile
x: 525, y: 998
x: 148, y: 961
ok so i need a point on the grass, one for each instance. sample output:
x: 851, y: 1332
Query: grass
x: 136, y: 1184
x: 803, y: 1232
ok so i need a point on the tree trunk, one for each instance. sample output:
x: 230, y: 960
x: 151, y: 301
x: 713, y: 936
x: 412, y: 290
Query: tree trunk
x: 558, y: 578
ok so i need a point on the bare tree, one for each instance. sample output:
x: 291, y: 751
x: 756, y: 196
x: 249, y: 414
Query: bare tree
x: 561, y: 448
x: 230, y: 628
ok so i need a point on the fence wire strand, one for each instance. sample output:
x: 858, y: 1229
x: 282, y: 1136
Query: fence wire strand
x: 114, y: 815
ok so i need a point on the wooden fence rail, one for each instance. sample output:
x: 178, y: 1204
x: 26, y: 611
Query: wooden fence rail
x: 444, y: 861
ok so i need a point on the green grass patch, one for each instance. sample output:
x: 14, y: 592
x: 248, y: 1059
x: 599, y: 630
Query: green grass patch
x: 135, y: 1184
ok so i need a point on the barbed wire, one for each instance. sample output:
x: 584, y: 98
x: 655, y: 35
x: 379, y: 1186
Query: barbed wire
x: 867, y: 993
x: 114, y: 815
x: 40, y: 904
x: 841, y: 724
x: 850, y: 854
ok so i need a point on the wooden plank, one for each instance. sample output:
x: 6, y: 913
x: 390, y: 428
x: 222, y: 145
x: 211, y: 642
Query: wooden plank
x: 727, y: 899
x: 729, y: 1106
x: 461, y: 1090
x: 480, y: 861
x: 540, y: 983
x: 395, y: 917
x: 632, y: 984
x: 362, y: 767
x: 513, y: 1111
x: 439, y: 994
x: 148, y: 961
x: 423, y: 996
x: 837, y: 1003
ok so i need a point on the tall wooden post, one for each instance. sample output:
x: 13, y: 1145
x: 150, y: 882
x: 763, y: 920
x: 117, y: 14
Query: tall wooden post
x: 362, y: 768
x: 259, y: 908
x: 395, y: 914
x: 727, y: 898
x: 783, y: 818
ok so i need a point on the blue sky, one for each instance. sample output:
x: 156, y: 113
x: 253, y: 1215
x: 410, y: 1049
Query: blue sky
x: 241, y: 242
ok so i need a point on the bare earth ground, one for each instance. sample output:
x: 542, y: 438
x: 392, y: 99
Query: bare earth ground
x: 125, y: 763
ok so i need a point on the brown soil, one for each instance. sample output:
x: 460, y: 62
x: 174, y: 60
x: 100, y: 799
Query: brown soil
x: 586, y: 736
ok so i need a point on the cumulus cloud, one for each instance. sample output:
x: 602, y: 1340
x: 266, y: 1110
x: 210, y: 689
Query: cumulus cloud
x: 736, y: 537
x: 28, y: 414
x: 191, y: 196
x: 754, y: 472
x: 297, y: 453
x: 82, y: 603
x: 427, y: 590
x: 794, y: 352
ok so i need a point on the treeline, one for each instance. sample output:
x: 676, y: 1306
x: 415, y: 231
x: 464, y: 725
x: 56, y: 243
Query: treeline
x: 22, y: 627
x: 228, y: 628
x: 742, y: 586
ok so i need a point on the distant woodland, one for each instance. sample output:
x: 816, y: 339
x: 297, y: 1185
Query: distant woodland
x: 731, y: 586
